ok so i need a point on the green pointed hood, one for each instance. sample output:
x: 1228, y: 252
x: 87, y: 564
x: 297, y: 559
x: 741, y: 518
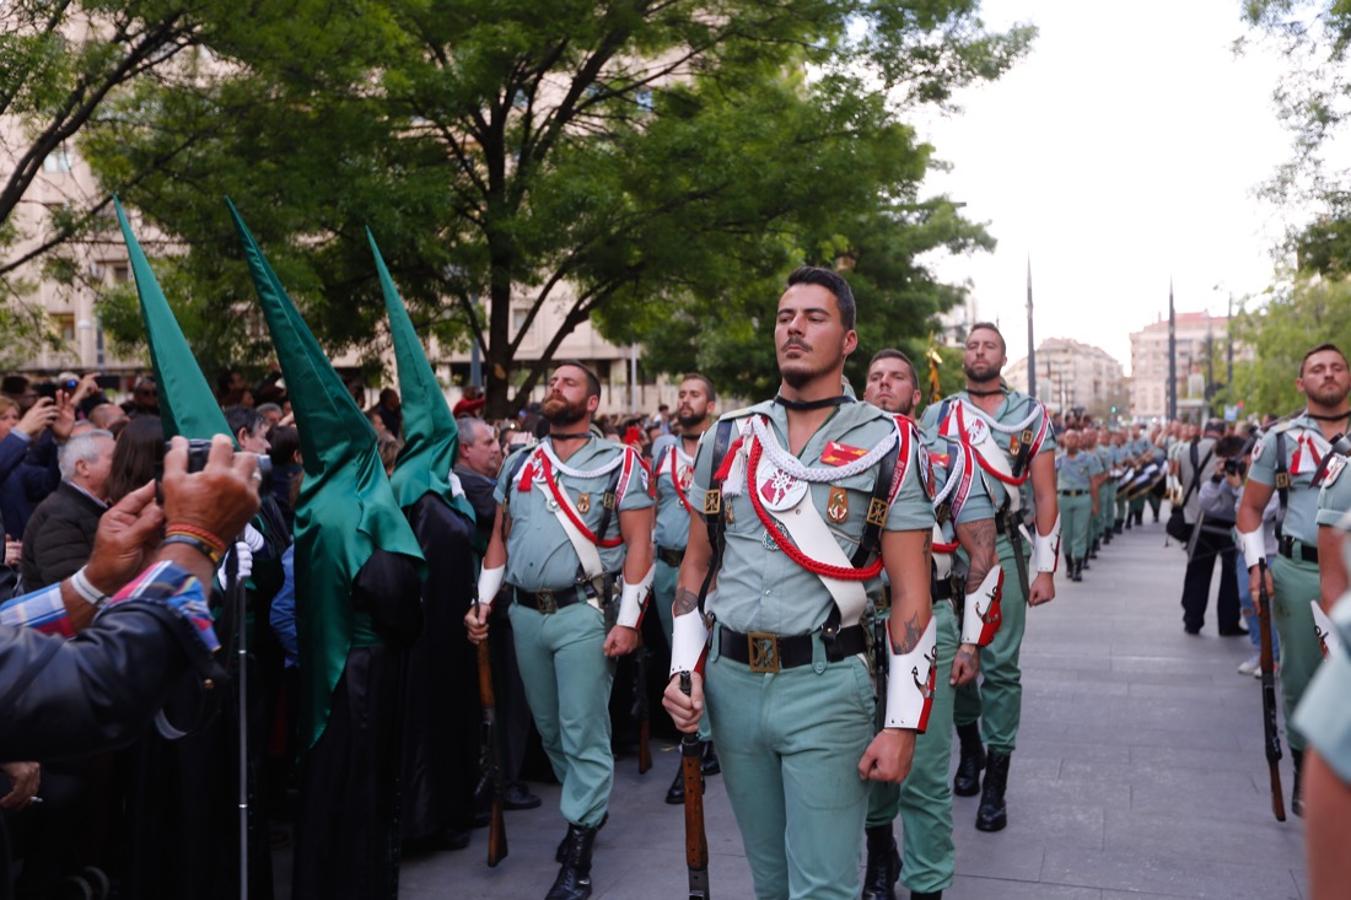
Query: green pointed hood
x: 430, y: 434
x: 346, y: 509
x: 186, y: 404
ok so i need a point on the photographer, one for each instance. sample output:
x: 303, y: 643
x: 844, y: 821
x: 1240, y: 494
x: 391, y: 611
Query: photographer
x: 72, y: 697
x: 1212, y: 522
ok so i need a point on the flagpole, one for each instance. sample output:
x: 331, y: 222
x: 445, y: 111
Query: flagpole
x: 1172, y: 354
x: 1031, y: 345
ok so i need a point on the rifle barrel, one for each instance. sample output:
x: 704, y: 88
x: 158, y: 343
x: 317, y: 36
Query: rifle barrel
x: 1270, y: 733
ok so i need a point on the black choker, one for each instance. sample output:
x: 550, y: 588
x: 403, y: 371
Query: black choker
x: 577, y: 436
x: 990, y: 393
x: 808, y: 405
x: 1338, y: 418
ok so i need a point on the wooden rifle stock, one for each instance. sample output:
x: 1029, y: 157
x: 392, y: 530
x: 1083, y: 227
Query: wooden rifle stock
x: 641, y: 709
x: 696, y: 841
x: 492, y: 757
x: 1271, y: 736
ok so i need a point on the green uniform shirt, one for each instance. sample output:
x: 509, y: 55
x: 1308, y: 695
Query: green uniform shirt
x: 539, y: 554
x: 1301, y: 512
x: 761, y: 589
x: 1334, y: 497
x: 1014, y: 410
x: 673, y: 517
x: 1323, y: 715
x: 1076, y: 473
x: 1139, y: 446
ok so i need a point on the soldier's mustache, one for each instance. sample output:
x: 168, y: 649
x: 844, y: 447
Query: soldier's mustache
x: 801, y: 345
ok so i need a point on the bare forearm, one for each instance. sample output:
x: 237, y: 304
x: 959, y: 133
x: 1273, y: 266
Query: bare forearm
x: 906, y: 555
x: 636, y: 527
x: 978, y: 540
x: 1255, y: 497
x: 1043, y: 488
x: 496, y: 554
x: 693, y: 568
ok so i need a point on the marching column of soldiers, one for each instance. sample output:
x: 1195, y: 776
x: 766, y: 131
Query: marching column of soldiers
x: 843, y: 588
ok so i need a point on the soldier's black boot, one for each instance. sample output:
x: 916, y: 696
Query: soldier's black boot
x: 1093, y: 549
x: 884, y: 864
x: 675, y: 794
x: 1116, y: 527
x: 1076, y: 570
x: 1297, y: 791
x: 926, y: 895
x: 991, y: 816
x: 710, y: 764
x: 574, y: 877
x: 1140, y: 517
x: 966, y: 783
x: 562, y: 849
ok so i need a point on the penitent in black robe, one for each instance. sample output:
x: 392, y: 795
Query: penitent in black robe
x: 347, y: 840
x: 441, y: 710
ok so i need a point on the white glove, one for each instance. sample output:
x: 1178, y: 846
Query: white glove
x: 245, y: 554
x: 253, y: 537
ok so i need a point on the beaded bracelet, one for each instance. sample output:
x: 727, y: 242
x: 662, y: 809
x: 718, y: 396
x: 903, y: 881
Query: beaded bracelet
x: 201, y: 534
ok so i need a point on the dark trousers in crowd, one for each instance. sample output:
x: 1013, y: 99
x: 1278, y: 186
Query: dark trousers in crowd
x: 1213, y: 542
x: 513, y: 712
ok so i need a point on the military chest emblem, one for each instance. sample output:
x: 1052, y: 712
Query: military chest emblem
x: 686, y: 477
x: 584, y: 503
x: 837, y: 506
x: 778, y: 490
x: 1014, y: 445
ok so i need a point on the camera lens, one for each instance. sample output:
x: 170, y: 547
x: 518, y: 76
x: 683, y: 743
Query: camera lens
x: 69, y: 384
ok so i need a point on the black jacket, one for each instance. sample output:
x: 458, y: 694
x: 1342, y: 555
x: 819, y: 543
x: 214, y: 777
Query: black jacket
x: 59, y: 536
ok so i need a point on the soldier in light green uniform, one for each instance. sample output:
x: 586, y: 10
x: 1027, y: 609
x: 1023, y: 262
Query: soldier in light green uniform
x: 1286, y: 460
x: 1077, y: 475
x: 1141, y: 452
x: 1010, y: 433
x: 573, y: 513
x: 1107, y: 490
x: 1121, y: 463
x: 924, y: 802
x: 793, y: 489
x: 673, y: 474
x: 1334, y: 518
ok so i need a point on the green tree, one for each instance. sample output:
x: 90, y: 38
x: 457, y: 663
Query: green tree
x: 627, y: 161
x: 1293, y: 320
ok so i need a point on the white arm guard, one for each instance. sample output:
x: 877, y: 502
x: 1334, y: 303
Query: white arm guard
x: 633, y: 598
x: 1254, y: 546
x: 910, y: 682
x: 688, y: 641
x: 489, y: 583
x: 981, y: 616
x: 1046, y: 549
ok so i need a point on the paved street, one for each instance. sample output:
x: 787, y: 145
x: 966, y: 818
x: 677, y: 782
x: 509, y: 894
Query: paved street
x: 1139, y: 774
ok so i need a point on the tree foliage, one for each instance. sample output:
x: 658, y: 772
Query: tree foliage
x: 1294, y: 319
x: 639, y: 163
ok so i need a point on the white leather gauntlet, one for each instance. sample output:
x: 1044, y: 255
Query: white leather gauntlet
x: 981, y: 616
x: 1046, y: 549
x: 489, y: 583
x: 910, y: 682
x: 632, y: 599
x: 688, y: 640
x: 1254, y: 546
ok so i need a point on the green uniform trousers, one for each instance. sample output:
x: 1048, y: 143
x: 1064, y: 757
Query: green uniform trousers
x: 997, y: 700
x: 790, y: 743
x: 1122, y: 505
x: 1106, y: 507
x: 924, y: 800
x: 1296, y: 584
x: 1076, y: 516
x: 567, y: 684
x: 663, y: 595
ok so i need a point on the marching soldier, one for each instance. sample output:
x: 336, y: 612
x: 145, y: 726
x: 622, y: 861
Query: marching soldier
x: 1292, y: 459
x: 1107, y: 487
x: 805, y: 499
x: 1142, y: 454
x: 924, y: 802
x: 572, y: 513
x: 1078, y: 476
x: 1121, y: 464
x: 1011, y: 437
x: 674, y: 474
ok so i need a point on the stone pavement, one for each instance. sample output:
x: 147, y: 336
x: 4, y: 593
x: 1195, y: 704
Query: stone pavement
x: 1139, y: 774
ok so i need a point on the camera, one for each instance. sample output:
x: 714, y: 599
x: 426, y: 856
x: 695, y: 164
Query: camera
x: 198, y: 451
x: 69, y: 385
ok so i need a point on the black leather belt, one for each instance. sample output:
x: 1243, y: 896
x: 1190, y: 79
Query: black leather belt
x: 1074, y: 493
x: 550, y: 601
x: 1287, y: 547
x: 943, y: 589
x: 764, y: 651
x: 670, y: 556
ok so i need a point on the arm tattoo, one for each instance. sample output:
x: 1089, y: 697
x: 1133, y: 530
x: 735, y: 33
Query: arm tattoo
x: 686, y: 601
x: 912, y: 635
x: 966, y: 656
x: 978, y: 540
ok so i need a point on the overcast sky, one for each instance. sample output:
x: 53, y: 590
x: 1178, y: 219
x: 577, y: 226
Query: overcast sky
x: 1126, y: 147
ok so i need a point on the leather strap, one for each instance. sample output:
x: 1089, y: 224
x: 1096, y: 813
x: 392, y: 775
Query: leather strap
x: 713, y: 513
x: 1293, y: 549
x: 870, y: 543
x: 764, y: 651
x: 671, y: 556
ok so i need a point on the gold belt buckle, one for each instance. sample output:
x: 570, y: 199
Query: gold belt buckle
x: 547, y: 604
x: 764, y: 651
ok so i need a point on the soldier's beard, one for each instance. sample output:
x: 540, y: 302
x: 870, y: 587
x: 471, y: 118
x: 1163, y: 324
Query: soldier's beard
x: 1328, y: 396
x: 980, y: 373
x: 691, y: 421
x: 560, y: 412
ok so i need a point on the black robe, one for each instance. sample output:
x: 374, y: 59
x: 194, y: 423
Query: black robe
x: 347, y: 837
x: 441, y: 710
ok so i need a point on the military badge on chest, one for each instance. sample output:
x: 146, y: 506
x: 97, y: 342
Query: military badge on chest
x: 1014, y: 445
x: 584, y: 503
x: 837, y: 506
x: 778, y: 490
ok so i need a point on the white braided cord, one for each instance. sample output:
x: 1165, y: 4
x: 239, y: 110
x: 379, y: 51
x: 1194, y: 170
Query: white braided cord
x: 955, y: 471
x: 1037, y: 412
x: 558, y: 464
x: 791, y: 465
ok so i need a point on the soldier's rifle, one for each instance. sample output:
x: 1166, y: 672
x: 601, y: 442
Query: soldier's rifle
x: 1271, y: 737
x: 641, y: 708
x: 696, y: 841
x: 493, y: 771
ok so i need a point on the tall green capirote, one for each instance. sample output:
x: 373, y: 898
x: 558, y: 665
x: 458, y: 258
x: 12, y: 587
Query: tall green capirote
x: 186, y: 404
x: 346, y: 509
x: 430, y: 434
